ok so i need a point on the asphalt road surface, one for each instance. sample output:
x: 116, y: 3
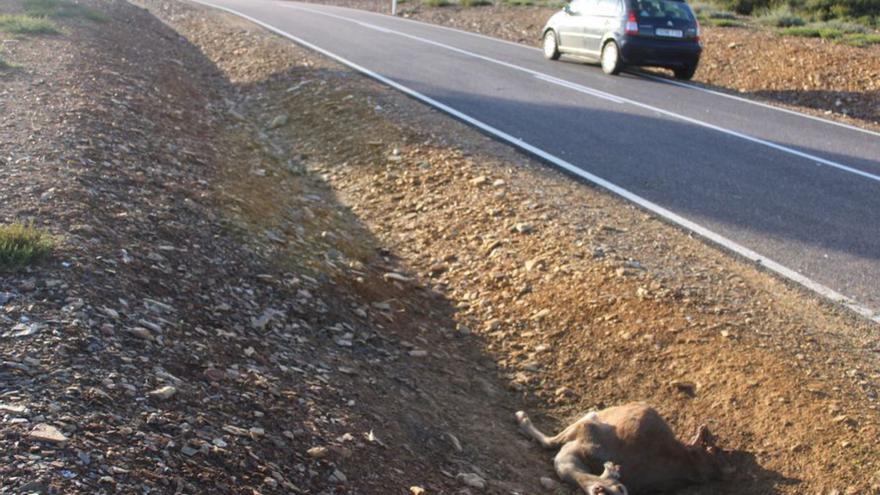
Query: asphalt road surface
x: 800, y: 194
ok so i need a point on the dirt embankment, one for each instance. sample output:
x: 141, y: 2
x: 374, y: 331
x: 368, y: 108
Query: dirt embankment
x: 277, y: 276
x: 811, y: 75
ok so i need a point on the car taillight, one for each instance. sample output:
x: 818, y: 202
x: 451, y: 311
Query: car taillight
x: 632, y: 24
x: 697, y: 36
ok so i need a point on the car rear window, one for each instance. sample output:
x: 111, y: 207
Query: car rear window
x: 663, y: 9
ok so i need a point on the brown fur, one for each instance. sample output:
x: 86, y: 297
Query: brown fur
x: 636, y: 447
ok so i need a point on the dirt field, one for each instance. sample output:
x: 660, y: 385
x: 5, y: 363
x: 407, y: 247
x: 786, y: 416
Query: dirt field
x: 810, y: 75
x: 276, y: 276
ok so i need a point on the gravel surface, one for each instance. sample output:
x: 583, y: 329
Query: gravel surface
x: 276, y: 276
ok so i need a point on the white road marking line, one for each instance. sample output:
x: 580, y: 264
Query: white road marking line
x: 377, y: 28
x: 754, y: 102
x: 640, y: 74
x: 718, y: 239
x: 578, y: 87
x: 540, y: 75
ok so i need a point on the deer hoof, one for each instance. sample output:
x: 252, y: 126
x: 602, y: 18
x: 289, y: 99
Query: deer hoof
x: 522, y: 418
x: 703, y: 438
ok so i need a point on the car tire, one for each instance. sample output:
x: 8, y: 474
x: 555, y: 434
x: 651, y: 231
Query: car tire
x: 610, y: 59
x: 685, y: 73
x: 550, y: 46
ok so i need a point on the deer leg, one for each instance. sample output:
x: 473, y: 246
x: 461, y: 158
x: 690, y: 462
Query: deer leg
x: 526, y: 426
x: 570, y: 468
x: 703, y: 437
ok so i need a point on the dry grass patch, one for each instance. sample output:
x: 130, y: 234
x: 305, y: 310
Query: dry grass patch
x: 26, y: 25
x: 22, y: 244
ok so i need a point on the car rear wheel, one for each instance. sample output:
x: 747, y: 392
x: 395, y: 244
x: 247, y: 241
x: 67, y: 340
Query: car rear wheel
x: 685, y: 73
x: 611, y: 63
x: 551, y: 48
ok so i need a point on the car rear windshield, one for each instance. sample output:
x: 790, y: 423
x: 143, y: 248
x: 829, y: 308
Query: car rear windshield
x: 663, y: 9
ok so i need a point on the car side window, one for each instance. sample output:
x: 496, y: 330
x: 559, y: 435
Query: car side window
x: 608, y: 7
x: 583, y: 7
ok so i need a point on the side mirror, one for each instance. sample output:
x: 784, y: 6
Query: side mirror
x: 567, y: 9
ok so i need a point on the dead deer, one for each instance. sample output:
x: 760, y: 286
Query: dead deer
x: 632, y: 445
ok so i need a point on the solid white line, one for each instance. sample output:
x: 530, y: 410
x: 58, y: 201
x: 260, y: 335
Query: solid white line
x: 755, y: 102
x: 635, y: 73
x: 571, y: 168
x: 578, y: 87
x: 541, y: 75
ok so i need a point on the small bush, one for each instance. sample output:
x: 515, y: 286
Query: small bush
x: 726, y: 23
x: 781, y: 16
x: 706, y: 12
x: 61, y: 8
x: 22, y: 244
x: 474, y: 3
x: 24, y: 25
x: 813, y: 32
x: 4, y: 65
x: 436, y: 3
x: 861, y: 39
x: 843, y: 26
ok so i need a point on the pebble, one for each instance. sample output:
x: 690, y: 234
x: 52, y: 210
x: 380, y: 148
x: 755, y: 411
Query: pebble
x: 541, y: 314
x: 338, y: 476
x: 163, y: 393
x: 479, y: 181
x: 278, y: 121
x: 549, y: 483
x: 318, y: 452
x: 141, y: 332
x: 47, y: 433
x: 524, y: 228
x: 472, y: 480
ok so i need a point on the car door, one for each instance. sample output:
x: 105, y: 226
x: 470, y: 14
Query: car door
x: 571, y: 28
x: 602, y: 19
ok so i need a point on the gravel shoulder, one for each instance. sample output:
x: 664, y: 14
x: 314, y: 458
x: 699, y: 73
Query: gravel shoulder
x: 277, y: 276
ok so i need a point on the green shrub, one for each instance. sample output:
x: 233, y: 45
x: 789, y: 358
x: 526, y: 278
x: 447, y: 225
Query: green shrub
x: 474, y: 3
x: 436, y: 3
x: 61, y: 8
x: 24, y: 25
x: 781, y: 16
x: 813, y: 32
x: 861, y: 39
x: 846, y: 27
x: 21, y: 244
x: 726, y: 23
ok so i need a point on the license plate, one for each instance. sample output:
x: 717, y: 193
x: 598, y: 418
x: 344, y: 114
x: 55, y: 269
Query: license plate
x: 671, y: 33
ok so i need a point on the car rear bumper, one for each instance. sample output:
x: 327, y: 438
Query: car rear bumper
x: 662, y: 53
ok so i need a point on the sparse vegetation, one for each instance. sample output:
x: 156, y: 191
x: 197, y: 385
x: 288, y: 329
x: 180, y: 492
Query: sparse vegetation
x: 862, y: 39
x: 21, y: 244
x: 4, y: 65
x: 847, y: 32
x: 782, y: 16
x: 25, y: 25
x: 61, y: 8
x: 726, y: 23
x: 437, y: 3
x: 474, y: 3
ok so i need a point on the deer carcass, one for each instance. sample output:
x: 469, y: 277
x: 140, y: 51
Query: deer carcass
x: 632, y: 447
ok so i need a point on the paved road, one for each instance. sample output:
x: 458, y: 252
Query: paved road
x: 777, y: 186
